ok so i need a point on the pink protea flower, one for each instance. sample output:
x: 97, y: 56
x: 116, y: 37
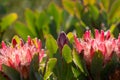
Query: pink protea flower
x: 103, y: 42
x: 117, y: 47
x: 19, y: 55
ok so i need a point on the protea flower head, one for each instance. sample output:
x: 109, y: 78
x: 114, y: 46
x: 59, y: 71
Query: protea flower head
x: 103, y: 42
x: 18, y: 54
x: 117, y: 47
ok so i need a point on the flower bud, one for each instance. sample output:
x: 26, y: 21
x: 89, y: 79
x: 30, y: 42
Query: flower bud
x: 62, y: 40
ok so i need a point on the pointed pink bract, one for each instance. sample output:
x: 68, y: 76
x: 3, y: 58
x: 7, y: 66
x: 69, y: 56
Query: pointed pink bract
x: 78, y: 45
x: 3, y: 45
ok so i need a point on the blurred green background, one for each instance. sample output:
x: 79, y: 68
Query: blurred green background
x: 38, y: 18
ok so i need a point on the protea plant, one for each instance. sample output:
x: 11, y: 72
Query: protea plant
x: 102, y: 42
x: 18, y: 54
x: 106, y: 45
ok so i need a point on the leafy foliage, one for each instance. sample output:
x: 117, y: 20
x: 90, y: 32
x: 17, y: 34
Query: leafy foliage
x: 11, y: 73
x: 46, y: 22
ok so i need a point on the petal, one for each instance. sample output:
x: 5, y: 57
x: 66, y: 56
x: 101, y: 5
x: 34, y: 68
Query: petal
x: 108, y: 35
x: 3, y: 45
x: 96, y: 34
x: 21, y: 43
x: 29, y: 40
x: 91, y: 52
x: 28, y: 56
x: 102, y: 48
x: 39, y: 45
x: 10, y: 63
x: 78, y: 45
x: 102, y: 36
x: 14, y: 42
x: 87, y: 35
x: 17, y: 59
x: 1, y: 64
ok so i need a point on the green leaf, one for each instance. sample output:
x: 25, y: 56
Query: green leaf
x: 30, y: 19
x: 112, y: 28
x: 110, y: 67
x: 74, y: 8
x: 94, y: 12
x: 55, y: 13
x: 51, y: 45
x: 66, y: 53
x: 22, y: 30
x: 69, y: 21
x: 96, y: 65
x: 79, y: 62
x: 42, y: 20
x: 70, y: 37
x: 69, y: 6
x: 75, y: 71
x: 79, y: 8
x: 35, y: 62
x: 10, y: 72
x: 90, y: 2
x: 50, y: 66
x: 8, y: 20
x: 34, y: 66
x: 80, y: 30
x: 105, y: 4
x: 114, y: 13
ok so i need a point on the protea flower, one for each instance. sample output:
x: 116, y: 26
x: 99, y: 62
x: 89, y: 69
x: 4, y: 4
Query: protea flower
x: 18, y: 55
x: 117, y: 47
x: 103, y: 42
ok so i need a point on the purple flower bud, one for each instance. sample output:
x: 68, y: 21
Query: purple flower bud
x: 62, y: 40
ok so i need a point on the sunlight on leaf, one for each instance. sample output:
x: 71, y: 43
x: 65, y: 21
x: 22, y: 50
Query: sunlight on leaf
x: 112, y: 28
x: 51, y: 45
x: 8, y: 20
x: 50, y: 66
x: 69, y: 6
x: 70, y: 37
x: 91, y: 2
x: 114, y: 13
x: 79, y: 62
x: 22, y: 30
x: 105, y: 4
x: 30, y: 19
x: 66, y: 52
